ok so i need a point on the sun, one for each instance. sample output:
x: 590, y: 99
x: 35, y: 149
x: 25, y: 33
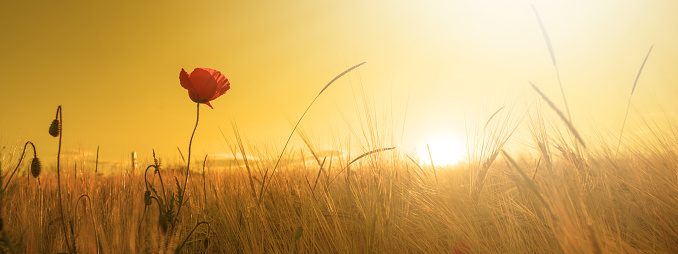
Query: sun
x: 445, y: 150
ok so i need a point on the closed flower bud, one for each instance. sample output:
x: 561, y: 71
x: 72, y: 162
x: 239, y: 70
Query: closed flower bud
x: 54, y: 128
x: 206, y: 242
x: 35, y: 167
x: 147, y: 197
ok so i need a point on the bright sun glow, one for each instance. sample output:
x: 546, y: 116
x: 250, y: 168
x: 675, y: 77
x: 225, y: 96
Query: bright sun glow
x: 445, y: 150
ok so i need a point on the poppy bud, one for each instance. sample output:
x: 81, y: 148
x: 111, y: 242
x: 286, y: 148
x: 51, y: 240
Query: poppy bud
x: 147, y: 197
x: 35, y: 167
x: 206, y: 242
x: 54, y: 128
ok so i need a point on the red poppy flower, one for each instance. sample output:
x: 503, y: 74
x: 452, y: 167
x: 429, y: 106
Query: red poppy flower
x: 204, y: 84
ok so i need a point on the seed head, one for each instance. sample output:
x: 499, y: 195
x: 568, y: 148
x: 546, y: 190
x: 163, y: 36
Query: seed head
x: 54, y: 128
x: 35, y: 167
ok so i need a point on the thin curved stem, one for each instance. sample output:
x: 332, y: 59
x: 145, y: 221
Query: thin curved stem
x: 61, y: 207
x: 155, y: 171
x: 94, y: 224
x: 264, y: 183
x: 191, y: 233
x: 21, y: 159
x: 162, y: 184
x: 188, y: 161
x: 146, y: 174
x: 143, y: 214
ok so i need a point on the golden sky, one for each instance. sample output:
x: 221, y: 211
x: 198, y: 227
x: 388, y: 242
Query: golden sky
x: 434, y: 66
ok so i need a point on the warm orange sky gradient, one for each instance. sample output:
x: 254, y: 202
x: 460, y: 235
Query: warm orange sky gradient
x: 114, y: 67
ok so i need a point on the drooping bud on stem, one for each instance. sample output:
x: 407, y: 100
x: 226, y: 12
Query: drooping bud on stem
x: 35, y: 167
x: 54, y: 128
x: 147, y: 197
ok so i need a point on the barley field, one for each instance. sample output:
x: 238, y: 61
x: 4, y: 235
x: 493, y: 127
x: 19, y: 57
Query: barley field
x: 559, y: 194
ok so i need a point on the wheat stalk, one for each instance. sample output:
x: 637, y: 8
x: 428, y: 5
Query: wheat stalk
x: 553, y: 58
x: 264, y: 185
x: 628, y: 106
x: 568, y: 123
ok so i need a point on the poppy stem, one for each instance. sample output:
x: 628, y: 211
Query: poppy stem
x: 21, y: 159
x: 188, y: 161
x: 61, y: 207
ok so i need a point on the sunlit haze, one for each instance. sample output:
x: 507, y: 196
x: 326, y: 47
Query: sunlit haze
x: 436, y: 71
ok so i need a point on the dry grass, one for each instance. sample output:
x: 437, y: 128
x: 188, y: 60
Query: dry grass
x: 582, y: 202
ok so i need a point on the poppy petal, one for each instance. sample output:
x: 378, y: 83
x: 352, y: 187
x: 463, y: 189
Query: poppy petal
x: 220, y: 81
x: 222, y: 85
x: 203, y: 84
x: 208, y: 104
x: 185, y: 80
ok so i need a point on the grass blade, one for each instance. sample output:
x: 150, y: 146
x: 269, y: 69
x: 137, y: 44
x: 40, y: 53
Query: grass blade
x: 553, y: 59
x: 264, y: 185
x: 490, y: 119
x: 339, y: 76
x: 568, y: 123
x: 628, y: 106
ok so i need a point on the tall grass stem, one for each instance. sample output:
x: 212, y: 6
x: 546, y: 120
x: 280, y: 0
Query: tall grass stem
x: 553, y: 59
x: 628, y: 106
x: 264, y: 185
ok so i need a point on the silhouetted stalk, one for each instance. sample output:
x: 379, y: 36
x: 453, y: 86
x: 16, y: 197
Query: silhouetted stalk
x: 191, y: 233
x: 21, y: 159
x: 59, y: 131
x: 188, y: 166
x: 156, y: 170
x: 146, y: 205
